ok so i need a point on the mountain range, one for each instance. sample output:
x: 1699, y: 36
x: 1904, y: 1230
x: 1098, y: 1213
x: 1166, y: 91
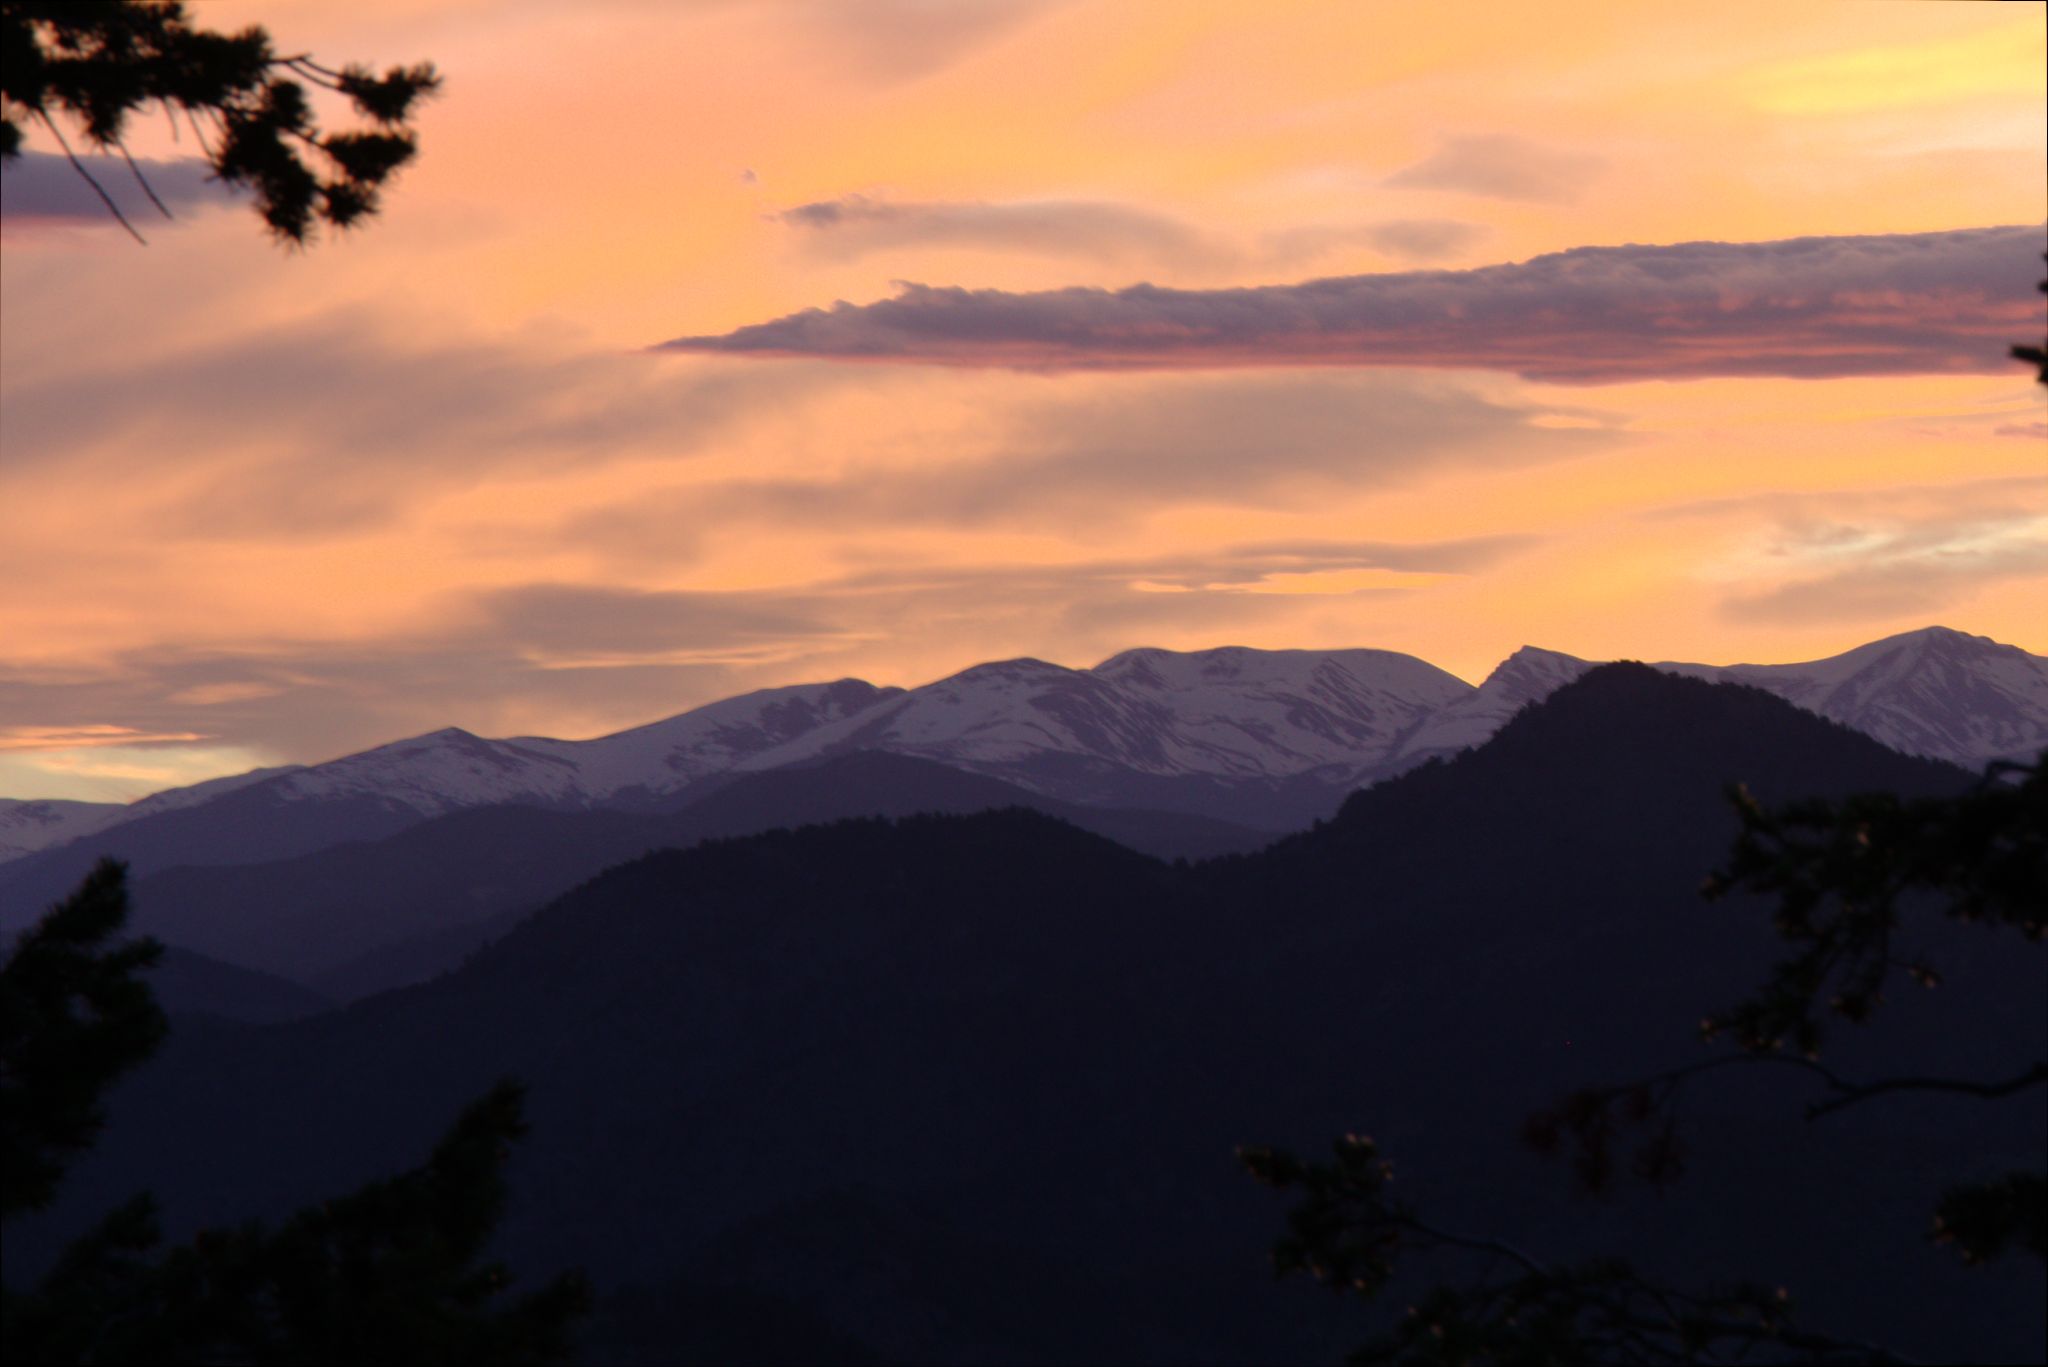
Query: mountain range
x: 384, y: 868
x: 1267, y: 739
x: 966, y: 1088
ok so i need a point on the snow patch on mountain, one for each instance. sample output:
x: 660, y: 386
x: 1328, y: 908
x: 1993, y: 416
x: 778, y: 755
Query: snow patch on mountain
x: 1528, y: 675
x: 1936, y: 692
x: 667, y: 755
x: 1226, y: 713
x: 1328, y: 717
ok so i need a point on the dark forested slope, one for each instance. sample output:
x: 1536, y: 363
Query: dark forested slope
x: 968, y: 1088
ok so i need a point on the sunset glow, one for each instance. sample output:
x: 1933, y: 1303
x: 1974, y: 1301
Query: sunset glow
x: 555, y: 445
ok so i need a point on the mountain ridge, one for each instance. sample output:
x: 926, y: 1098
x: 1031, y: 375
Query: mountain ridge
x: 1269, y: 739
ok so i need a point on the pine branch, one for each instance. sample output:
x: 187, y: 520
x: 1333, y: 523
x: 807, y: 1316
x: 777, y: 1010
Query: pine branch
x: 97, y: 188
x: 1852, y: 1093
x: 142, y: 180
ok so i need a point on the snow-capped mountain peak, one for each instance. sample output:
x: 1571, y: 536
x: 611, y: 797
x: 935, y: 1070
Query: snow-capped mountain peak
x: 1522, y: 678
x: 1936, y: 692
x: 666, y: 755
x: 1231, y: 712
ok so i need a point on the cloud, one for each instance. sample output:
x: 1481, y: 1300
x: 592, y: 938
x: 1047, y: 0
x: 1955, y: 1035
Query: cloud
x: 477, y: 660
x: 334, y: 424
x: 1129, y: 447
x: 118, y: 773
x: 85, y: 737
x: 568, y: 626
x: 904, y: 40
x: 857, y: 225
x: 1812, y: 307
x: 1502, y: 166
x: 2033, y: 431
x: 40, y: 188
x: 1873, y: 568
x: 1410, y: 239
x: 1961, y: 500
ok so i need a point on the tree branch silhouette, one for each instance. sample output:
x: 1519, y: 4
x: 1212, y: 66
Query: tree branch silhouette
x: 95, y: 64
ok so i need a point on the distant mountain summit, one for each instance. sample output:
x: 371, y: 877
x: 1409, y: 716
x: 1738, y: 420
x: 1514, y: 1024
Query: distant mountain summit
x: 1227, y: 714
x: 1935, y: 692
x: 1529, y: 675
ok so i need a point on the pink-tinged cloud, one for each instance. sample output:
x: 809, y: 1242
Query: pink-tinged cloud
x: 1808, y: 307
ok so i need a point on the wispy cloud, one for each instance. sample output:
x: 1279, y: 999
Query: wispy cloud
x: 87, y: 736
x: 1127, y: 449
x: 334, y: 424
x: 1095, y: 230
x: 1408, y: 239
x: 1870, y: 554
x: 895, y: 41
x: 1502, y: 166
x: 1803, y: 307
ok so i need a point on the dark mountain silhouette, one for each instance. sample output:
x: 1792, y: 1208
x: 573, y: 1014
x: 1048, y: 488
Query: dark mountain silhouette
x: 363, y: 917
x: 241, y: 827
x: 192, y: 984
x: 968, y: 1088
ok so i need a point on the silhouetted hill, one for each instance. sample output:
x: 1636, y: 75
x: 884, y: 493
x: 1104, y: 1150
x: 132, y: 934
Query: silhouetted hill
x: 363, y: 917
x: 189, y: 984
x: 999, y: 1044
x: 242, y: 827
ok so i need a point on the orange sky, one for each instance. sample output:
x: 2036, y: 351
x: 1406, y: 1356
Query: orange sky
x: 259, y: 507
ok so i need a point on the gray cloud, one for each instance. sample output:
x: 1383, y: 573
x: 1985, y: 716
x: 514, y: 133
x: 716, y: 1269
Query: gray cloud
x: 904, y: 40
x: 331, y: 425
x: 490, y: 653
x: 857, y: 225
x: 565, y: 624
x: 1411, y: 239
x: 1134, y: 448
x: 1812, y: 307
x: 42, y: 188
x: 2033, y: 431
x: 1502, y: 166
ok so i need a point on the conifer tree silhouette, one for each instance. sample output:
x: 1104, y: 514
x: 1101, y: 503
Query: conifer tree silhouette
x: 392, y: 1273
x: 92, y: 65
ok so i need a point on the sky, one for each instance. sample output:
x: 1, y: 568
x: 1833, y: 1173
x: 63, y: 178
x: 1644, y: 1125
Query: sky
x: 715, y: 346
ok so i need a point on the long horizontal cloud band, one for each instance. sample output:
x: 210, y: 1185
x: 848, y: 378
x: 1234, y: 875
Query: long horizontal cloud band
x: 1816, y: 307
